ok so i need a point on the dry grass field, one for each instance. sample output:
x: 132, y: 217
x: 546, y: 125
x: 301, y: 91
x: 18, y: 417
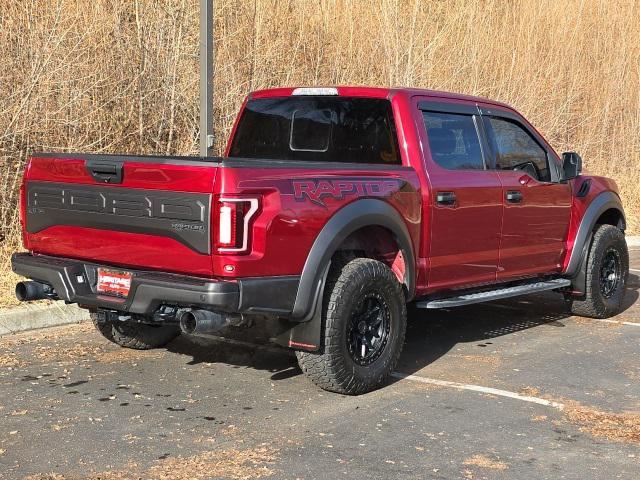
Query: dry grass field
x: 121, y: 75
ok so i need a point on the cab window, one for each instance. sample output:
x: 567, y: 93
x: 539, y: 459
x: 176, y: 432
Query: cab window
x: 453, y: 141
x: 516, y: 149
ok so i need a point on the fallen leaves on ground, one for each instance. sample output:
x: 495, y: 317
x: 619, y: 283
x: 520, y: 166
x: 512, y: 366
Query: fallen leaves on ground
x: 529, y: 392
x: 126, y: 354
x: 236, y: 464
x: 233, y: 464
x: 483, y: 461
x: 53, y: 333
x: 618, y: 427
x: 99, y: 353
x: 9, y: 360
x: 492, y: 360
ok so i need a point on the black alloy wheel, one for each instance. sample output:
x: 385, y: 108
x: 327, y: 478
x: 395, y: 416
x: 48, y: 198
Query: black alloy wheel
x: 610, y: 273
x: 368, y: 329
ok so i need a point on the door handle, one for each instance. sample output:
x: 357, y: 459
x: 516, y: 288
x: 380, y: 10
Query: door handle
x: 446, y: 198
x: 514, y: 196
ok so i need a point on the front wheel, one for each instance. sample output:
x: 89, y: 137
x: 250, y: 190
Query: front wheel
x: 607, y: 272
x: 364, y: 319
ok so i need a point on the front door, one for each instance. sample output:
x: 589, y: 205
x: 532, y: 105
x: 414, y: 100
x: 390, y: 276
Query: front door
x: 465, y: 203
x: 537, y: 207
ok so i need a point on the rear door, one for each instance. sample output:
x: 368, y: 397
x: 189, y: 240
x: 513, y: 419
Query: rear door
x: 465, y: 196
x: 537, y: 207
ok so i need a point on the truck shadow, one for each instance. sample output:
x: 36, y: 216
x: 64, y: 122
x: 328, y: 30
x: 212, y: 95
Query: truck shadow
x: 431, y: 334
x: 253, y: 353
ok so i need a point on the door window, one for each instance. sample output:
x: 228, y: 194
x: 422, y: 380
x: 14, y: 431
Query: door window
x: 453, y: 141
x: 516, y: 149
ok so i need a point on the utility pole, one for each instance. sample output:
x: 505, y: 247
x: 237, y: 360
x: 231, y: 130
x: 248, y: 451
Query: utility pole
x: 206, y: 78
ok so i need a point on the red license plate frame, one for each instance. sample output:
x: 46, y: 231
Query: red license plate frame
x: 114, y: 282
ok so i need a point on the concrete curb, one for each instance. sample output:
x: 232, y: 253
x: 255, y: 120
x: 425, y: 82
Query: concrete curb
x: 31, y: 317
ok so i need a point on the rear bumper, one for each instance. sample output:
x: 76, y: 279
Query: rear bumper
x: 74, y: 281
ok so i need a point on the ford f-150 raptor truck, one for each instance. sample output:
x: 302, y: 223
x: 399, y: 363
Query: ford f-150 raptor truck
x: 330, y: 211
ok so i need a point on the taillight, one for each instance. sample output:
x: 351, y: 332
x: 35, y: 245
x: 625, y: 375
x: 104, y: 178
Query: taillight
x: 23, y: 195
x: 234, y: 223
x: 23, y: 205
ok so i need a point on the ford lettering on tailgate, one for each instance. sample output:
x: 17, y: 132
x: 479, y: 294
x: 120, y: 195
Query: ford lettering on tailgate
x: 178, y: 215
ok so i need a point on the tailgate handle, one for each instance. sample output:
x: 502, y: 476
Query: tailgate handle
x: 105, y: 172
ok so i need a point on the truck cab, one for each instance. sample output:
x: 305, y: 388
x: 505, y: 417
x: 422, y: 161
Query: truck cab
x: 331, y: 209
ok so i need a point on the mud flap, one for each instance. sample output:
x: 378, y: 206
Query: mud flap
x: 307, y: 334
x: 579, y: 281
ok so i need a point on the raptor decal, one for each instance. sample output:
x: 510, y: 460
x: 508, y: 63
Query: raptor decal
x: 319, y: 189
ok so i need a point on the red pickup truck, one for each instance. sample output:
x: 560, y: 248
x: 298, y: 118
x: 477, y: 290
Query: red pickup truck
x: 331, y: 210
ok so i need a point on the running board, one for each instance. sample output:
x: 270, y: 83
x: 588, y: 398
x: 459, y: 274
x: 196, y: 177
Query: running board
x: 494, y: 294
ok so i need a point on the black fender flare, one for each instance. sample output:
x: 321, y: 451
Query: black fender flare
x: 577, y: 261
x: 347, y: 220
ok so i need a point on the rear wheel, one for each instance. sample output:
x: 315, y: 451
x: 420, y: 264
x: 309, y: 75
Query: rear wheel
x: 607, y: 272
x: 364, y: 315
x: 139, y: 336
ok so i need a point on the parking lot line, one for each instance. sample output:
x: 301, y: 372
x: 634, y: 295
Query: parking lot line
x: 479, y: 388
x: 635, y: 270
x: 606, y: 320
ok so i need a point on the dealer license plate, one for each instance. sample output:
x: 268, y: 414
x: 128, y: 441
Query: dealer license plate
x: 114, y: 282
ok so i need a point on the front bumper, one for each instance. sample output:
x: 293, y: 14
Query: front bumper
x: 75, y: 281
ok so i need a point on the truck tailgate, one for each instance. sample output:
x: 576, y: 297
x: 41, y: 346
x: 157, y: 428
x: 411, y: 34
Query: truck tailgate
x: 128, y: 211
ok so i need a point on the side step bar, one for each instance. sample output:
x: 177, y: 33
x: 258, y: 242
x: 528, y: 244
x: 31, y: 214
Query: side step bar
x: 497, y: 294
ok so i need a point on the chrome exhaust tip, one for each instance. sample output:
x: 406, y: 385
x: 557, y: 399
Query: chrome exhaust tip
x: 30, y: 291
x: 202, y: 322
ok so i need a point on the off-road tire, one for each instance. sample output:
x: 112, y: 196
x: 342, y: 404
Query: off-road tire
x: 138, y: 336
x: 333, y: 368
x: 594, y: 304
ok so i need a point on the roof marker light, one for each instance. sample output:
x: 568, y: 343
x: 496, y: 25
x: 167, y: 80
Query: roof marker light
x: 315, y: 91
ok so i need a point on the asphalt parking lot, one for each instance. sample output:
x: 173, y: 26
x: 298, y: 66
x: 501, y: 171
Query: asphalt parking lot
x: 510, y: 389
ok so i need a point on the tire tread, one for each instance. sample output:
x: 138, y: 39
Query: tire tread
x: 327, y: 369
x: 592, y: 305
x: 137, y: 336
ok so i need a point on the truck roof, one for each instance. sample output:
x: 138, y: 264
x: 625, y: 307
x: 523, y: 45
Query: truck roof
x: 373, y: 92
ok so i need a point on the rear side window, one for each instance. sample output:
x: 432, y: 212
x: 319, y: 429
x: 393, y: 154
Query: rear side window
x: 453, y: 141
x: 323, y: 129
x: 517, y: 150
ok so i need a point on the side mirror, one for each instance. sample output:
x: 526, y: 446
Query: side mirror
x: 571, y: 165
